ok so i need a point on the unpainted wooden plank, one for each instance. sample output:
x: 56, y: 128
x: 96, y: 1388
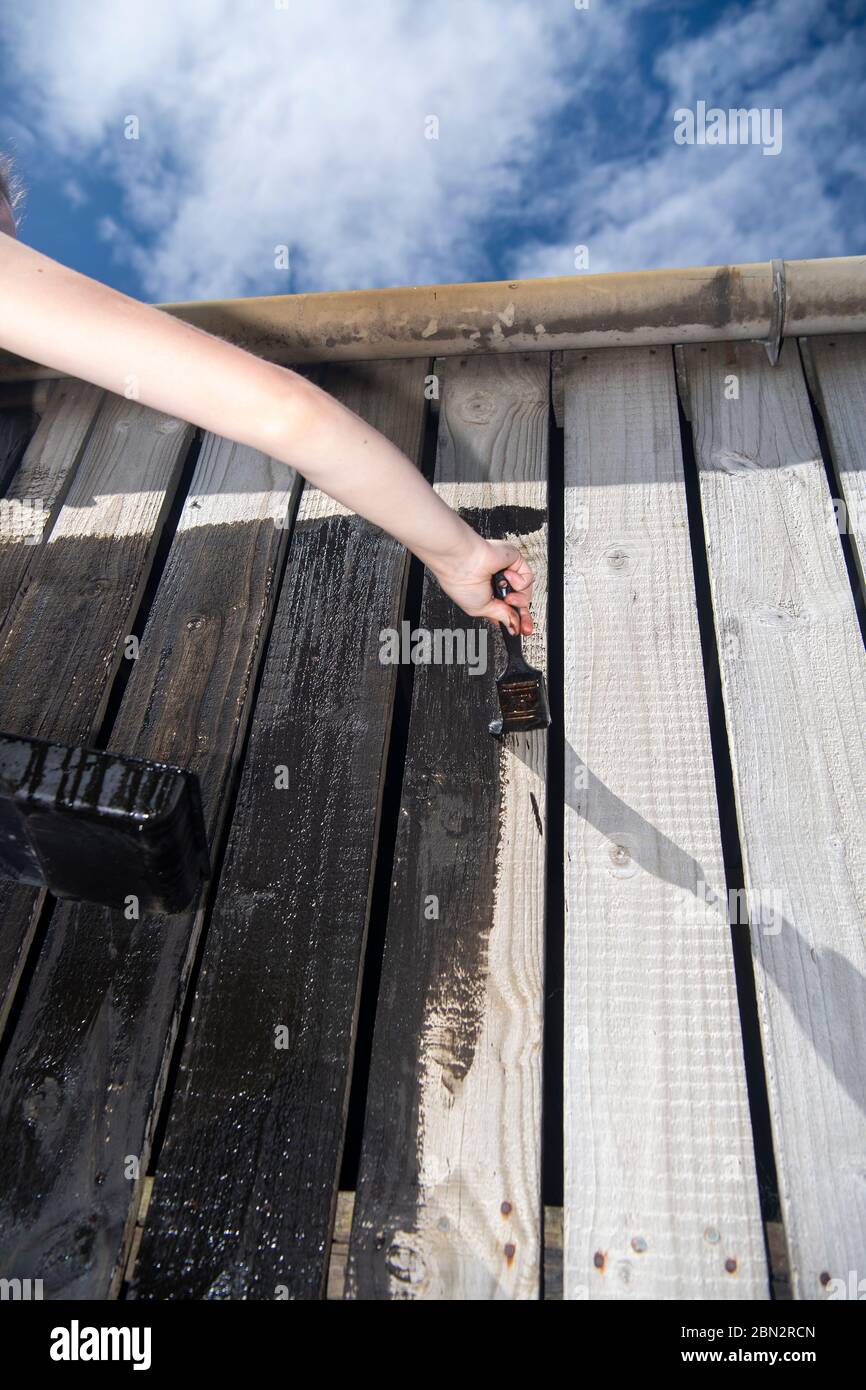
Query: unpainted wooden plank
x: 37, y: 488
x: 248, y: 1174
x: 340, y: 1245
x: 794, y: 684
x: 661, y: 1197
x: 343, y: 1229
x: 836, y: 367
x: 63, y: 638
x: 449, y: 1200
x: 80, y: 1087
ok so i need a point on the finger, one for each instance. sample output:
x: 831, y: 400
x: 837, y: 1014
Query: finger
x: 498, y: 612
x: 520, y: 579
x: 523, y: 597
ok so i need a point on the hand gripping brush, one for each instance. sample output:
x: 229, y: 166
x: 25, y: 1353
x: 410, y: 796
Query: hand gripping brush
x: 521, y: 689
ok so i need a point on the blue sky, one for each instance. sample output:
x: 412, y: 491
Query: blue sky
x: 307, y: 127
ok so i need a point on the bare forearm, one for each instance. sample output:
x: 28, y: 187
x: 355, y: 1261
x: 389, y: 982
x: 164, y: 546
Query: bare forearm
x: 67, y: 321
x: 355, y: 464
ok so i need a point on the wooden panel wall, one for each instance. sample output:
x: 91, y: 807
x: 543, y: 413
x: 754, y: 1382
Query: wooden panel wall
x: 660, y: 1189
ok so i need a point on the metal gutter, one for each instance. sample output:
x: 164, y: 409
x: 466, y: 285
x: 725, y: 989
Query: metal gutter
x: 766, y: 300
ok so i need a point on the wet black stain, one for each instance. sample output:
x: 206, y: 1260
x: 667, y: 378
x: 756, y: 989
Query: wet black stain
x: 250, y: 1162
x: 498, y: 522
x: 287, y: 932
x: 434, y: 973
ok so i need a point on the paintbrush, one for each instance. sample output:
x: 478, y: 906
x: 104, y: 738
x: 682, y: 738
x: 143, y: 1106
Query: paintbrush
x: 521, y: 689
x: 101, y: 827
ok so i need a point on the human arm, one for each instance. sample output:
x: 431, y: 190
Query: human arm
x: 67, y: 321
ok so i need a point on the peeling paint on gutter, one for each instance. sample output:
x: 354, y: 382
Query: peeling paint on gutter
x: 634, y: 308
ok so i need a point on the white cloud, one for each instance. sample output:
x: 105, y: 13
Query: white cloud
x: 108, y: 230
x: 689, y: 205
x: 74, y: 193
x: 262, y: 126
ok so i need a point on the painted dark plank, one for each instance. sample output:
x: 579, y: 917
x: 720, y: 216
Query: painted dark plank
x: 61, y: 646
x: 449, y: 1195
x: 243, y: 1201
x: 22, y: 405
x: 36, y: 490
x: 81, y: 1087
x: 62, y: 640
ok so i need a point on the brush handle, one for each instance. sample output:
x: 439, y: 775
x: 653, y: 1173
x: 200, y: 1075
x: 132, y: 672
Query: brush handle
x: 513, y: 644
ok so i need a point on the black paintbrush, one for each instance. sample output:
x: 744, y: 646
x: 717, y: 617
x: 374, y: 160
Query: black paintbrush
x: 100, y: 826
x: 521, y: 689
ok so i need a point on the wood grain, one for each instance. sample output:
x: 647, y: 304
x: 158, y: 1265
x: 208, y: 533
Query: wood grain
x: 661, y: 1197
x: 794, y: 686
x: 837, y: 372
x: 81, y: 1084
x: 41, y: 479
x: 449, y: 1200
x: 247, y: 1180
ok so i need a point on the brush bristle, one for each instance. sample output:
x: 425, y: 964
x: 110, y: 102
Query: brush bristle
x: 523, y: 702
